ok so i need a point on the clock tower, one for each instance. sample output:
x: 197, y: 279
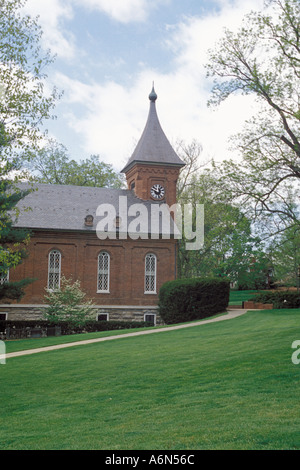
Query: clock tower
x: 153, y: 169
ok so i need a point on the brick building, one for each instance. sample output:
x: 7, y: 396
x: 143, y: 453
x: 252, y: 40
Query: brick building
x: 118, y: 243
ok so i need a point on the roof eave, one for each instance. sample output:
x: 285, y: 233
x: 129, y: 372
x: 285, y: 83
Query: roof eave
x: 150, y: 163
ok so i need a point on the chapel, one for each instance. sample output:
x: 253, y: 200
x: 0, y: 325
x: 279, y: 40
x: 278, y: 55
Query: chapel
x: 119, y: 243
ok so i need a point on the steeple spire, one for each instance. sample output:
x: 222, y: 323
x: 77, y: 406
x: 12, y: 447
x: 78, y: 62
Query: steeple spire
x: 153, y: 95
x: 153, y: 146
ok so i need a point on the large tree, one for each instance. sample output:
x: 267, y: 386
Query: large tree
x: 263, y: 58
x: 191, y: 154
x: 13, y: 243
x: 285, y: 251
x: 52, y: 165
x: 24, y: 106
x: 230, y: 246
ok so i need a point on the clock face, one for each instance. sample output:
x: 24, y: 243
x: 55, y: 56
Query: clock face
x: 157, y: 191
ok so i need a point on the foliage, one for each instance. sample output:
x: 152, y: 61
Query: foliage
x: 279, y: 299
x: 263, y: 59
x: 229, y: 243
x: 286, y: 256
x: 68, y: 303
x: 258, y: 275
x: 237, y: 297
x: 190, y: 154
x: 68, y: 328
x: 24, y: 104
x: 191, y: 299
x: 13, y: 242
x: 52, y: 165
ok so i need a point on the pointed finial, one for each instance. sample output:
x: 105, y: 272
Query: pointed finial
x: 153, y: 95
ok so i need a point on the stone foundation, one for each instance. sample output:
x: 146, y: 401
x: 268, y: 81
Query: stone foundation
x: 112, y: 313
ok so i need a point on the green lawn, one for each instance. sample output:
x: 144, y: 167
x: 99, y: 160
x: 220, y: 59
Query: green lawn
x: 237, y: 297
x: 33, y: 343
x: 21, y: 345
x: 227, y: 385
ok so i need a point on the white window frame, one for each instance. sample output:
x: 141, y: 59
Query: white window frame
x: 149, y: 274
x: 54, y: 271
x: 103, y: 272
x: 107, y: 316
x: 152, y: 315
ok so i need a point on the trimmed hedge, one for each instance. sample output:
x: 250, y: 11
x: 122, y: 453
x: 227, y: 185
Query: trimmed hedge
x: 279, y: 299
x: 68, y: 329
x: 192, y: 299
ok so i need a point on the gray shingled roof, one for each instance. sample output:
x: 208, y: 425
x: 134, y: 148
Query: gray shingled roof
x: 60, y: 207
x: 153, y: 146
x: 64, y: 208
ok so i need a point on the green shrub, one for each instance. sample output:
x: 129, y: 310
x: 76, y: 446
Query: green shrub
x: 191, y: 299
x: 23, y: 324
x: 92, y: 326
x: 68, y: 303
x: 68, y: 328
x: 279, y: 299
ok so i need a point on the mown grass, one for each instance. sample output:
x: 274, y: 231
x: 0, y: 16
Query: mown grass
x: 237, y: 297
x: 33, y: 343
x: 227, y: 385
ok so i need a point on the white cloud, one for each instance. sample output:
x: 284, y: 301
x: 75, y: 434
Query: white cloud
x: 124, y: 11
x: 112, y: 117
x: 54, y: 13
x: 51, y: 14
x: 193, y: 36
x: 190, y: 41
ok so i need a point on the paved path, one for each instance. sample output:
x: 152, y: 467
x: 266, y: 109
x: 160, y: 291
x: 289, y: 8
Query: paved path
x: 231, y: 314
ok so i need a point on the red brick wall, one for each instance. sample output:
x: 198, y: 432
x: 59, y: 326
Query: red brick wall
x: 144, y: 176
x: 80, y: 261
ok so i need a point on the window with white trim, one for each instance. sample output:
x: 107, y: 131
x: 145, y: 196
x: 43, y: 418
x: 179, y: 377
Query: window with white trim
x: 103, y: 272
x: 150, y: 318
x: 54, y: 270
x: 150, y: 274
x: 102, y: 316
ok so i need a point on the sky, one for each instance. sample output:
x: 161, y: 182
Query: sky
x: 108, y: 54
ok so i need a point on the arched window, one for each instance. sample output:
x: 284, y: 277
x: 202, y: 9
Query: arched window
x: 103, y: 272
x: 150, y: 274
x: 54, y: 269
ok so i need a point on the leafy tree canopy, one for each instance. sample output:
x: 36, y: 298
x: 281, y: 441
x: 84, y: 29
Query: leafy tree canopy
x: 24, y: 104
x: 263, y: 58
x: 52, y: 165
x: 13, y: 242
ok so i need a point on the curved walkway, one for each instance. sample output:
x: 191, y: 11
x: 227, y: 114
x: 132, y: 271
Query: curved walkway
x: 231, y: 314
